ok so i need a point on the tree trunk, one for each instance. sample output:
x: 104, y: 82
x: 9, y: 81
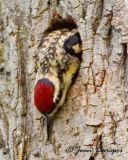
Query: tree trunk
x: 92, y: 125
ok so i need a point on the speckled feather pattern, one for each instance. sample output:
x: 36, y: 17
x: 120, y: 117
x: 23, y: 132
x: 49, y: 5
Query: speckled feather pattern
x: 53, y: 61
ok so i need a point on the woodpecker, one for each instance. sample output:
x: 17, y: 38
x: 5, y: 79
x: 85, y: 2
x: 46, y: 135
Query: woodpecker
x: 58, y: 60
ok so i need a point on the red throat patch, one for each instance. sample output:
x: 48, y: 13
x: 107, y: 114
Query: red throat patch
x: 43, y: 96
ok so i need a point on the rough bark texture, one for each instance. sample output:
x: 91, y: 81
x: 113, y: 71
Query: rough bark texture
x: 95, y: 114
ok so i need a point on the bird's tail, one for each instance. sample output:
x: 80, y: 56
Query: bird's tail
x: 48, y: 125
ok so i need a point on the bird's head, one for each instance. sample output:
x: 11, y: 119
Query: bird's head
x: 43, y: 95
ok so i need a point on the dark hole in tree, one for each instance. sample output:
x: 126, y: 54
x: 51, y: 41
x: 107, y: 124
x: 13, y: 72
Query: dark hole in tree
x: 58, y: 23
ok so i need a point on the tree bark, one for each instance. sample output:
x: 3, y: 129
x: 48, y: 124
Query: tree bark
x: 92, y: 125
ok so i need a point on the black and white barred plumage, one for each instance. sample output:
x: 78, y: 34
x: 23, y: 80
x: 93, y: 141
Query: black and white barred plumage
x: 58, y: 60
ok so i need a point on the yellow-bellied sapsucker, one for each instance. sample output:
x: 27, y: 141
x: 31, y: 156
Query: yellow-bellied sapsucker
x: 58, y: 61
